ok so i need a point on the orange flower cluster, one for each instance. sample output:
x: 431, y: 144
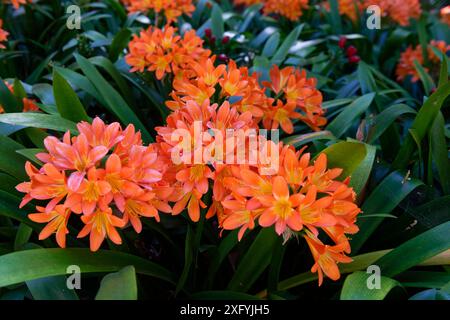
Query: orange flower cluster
x: 295, y: 196
x: 28, y: 104
x: 296, y: 95
x: 101, y: 173
x: 445, y: 15
x: 3, y: 35
x: 349, y: 8
x: 172, y: 9
x: 405, y: 66
x: 291, y: 9
x: 400, y: 11
x: 163, y: 51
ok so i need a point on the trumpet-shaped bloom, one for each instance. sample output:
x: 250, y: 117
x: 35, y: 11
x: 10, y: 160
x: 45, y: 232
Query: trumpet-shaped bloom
x: 99, y: 225
x: 56, y: 220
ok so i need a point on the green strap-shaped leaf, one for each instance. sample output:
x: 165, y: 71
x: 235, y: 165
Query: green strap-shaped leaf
x: 7, y: 99
x: 301, y: 139
x: 255, y: 261
x: 386, y: 118
x: 418, y: 249
x: 121, y: 285
x: 217, y: 24
x: 357, y: 286
x: 33, y: 264
x: 439, y: 151
x: 11, y: 162
x: 283, y: 50
x: 271, y: 45
x: 39, y: 120
x: 120, y: 42
x: 346, y: 118
x: 51, y: 288
x: 188, y: 257
x: 422, y: 124
x: 67, y: 102
x: 427, y: 81
x: 346, y: 155
x: 114, y: 101
x: 386, y: 196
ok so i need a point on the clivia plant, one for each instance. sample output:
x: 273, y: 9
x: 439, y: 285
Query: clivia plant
x: 218, y: 149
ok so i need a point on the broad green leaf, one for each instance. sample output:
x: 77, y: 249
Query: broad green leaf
x: 346, y: 118
x: 7, y: 99
x: 346, y: 155
x: 19, y: 91
x: 10, y: 161
x: 427, y: 81
x: 114, y: 101
x: 335, y: 16
x: 271, y: 45
x: 356, y: 287
x: 119, y: 43
x: 383, y: 199
x: 121, y: 285
x: 51, y: 288
x: 30, y: 154
x: 422, y: 124
x: 188, y: 257
x: 81, y: 82
x: 217, y: 24
x: 386, y: 118
x: 67, y: 102
x: 301, y: 139
x: 424, y: 279
x: 226, y: 245
x: 416, y: 250
x: 439, y: 152
x: 39, y: 120
x: 33, y: 264
x: 283, y: 50
x: 22, y: 236
x: 255, y: 261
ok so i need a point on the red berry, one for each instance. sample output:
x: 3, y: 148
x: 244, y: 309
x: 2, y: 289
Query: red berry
x: 225, y: 40
x: 208, y: 33
x: 354, y: 59
x: 351, y: 51
x: 342, y: 41
x: 212, y: 39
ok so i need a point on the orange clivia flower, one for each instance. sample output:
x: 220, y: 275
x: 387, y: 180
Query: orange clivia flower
x: 3, y: 35
x: 56, y: 220
x: 406, y: 67
x: 171, y: 9
x: 326, y: 257
x: 399, y: 11
x: 349, y: 8
x: 163, y: 51
x: 105, y: 174
x: 99, y: 225
x: 291, y: 9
